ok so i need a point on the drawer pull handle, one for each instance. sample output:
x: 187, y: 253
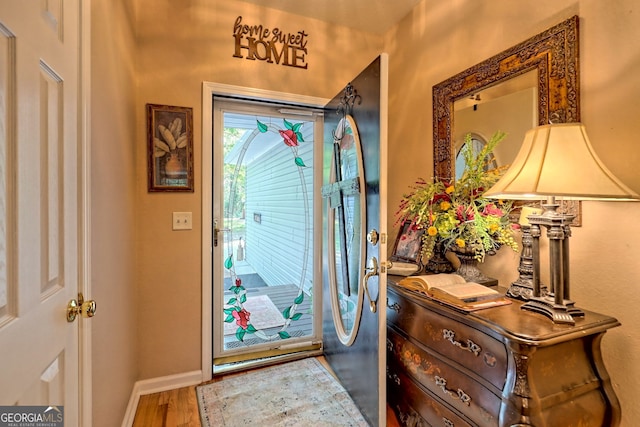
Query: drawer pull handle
x: 393, y: 377
x: 471, y: 347
x: 395, y: 306
x: 396, y: 379
x: 447, y: 422
x: 460, y: 394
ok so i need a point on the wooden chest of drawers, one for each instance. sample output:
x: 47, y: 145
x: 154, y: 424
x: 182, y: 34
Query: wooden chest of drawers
x: 495, y: 367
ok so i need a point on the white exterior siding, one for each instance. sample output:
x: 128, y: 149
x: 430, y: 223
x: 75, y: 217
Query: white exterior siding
x: 275, y: 246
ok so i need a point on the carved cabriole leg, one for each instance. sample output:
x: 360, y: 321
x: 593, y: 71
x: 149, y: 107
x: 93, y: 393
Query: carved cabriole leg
x: 613, y: 406
x: 520, y: 403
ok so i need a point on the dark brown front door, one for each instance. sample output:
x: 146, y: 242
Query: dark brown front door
x: 354, y: 200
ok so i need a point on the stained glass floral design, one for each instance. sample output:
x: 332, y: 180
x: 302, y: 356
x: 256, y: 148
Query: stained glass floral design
x: 234, y: 309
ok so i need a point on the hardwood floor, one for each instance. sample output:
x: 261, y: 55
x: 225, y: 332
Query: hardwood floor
x: 179, y: 408
x: 173, y: 408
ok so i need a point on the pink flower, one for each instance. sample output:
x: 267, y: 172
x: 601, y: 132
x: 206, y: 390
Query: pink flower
x: 464, y: 214
x: 290, y: 137
x: 242, y: 318
x: 346, y: 142
x: 491, y: 209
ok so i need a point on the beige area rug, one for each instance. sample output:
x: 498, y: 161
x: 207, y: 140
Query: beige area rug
x: 263, y: 314
x: 300, y: 393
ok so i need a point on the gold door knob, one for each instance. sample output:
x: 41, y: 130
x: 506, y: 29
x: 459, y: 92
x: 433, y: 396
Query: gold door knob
x: 373, y: 236
x: 80, y: 307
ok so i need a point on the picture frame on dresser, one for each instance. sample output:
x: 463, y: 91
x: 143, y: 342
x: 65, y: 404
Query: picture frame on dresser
x: 406, y: 257
x: 408, y: 243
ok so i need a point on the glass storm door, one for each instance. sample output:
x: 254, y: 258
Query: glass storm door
x: 354, y: 194
x: 264, y: 235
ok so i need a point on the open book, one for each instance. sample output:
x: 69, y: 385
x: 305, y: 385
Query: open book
x: 453, y: 289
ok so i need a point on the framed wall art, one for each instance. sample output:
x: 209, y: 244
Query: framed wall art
x: 170, y: 148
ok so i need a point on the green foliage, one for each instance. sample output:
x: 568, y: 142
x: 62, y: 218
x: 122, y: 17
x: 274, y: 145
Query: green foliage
x: 230, y: 138
x: 456, y: 214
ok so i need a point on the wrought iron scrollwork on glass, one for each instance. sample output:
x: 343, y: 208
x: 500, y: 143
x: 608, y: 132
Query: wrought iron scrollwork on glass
x: 348, y: 99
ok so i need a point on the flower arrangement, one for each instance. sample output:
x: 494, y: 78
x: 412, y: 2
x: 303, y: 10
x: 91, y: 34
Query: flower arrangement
x: 455, y: 214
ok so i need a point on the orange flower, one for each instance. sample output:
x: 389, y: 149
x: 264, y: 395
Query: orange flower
x: 445, y: 205
x: 417, y: 359
x: 461, y: 243
x: 432, y: 231
x: 450, y: 189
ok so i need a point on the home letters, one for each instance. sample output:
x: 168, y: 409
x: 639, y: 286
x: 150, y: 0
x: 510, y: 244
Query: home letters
x: 273, y: 46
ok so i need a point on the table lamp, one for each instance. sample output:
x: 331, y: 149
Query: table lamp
x: 557, y: 160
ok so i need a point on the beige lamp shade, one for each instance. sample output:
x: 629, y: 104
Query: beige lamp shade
x: 558, y: 160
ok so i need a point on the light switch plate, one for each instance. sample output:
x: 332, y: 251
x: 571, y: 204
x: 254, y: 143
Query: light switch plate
x: 182, y: 221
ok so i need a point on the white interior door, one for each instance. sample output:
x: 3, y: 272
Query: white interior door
x: 40, y: 213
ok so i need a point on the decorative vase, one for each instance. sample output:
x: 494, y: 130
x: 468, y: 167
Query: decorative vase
x: 438, y: 263
x: 469, y: 267
x: 173, y: 168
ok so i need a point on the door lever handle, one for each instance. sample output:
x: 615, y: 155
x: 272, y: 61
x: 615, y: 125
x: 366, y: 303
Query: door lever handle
x: 217, y: 230
x: 371, y: 271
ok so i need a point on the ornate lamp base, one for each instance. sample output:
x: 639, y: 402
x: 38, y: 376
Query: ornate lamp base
x: 522, y: 288
x: 559, y: 313
x: 521, y: 292
x: 557, y: 306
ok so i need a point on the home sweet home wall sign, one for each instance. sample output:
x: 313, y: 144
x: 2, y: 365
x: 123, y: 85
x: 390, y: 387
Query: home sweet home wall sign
x: 255, y: 42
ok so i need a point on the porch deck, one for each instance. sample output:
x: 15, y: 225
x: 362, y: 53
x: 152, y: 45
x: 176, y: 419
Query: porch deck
x: 282, y: 297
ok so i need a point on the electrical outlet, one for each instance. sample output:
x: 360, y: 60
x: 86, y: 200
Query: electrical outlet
x: 182, y: 221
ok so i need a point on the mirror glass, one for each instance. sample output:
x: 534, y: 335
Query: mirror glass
x: 511, y: 107
x: 549, y: 58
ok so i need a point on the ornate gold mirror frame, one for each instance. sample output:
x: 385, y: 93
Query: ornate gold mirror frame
x: 553, y: 53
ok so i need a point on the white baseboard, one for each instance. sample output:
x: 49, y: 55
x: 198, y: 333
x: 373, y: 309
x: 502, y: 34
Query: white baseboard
x: 156, y: 385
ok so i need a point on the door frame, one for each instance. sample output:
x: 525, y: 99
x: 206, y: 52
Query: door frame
x: 85, y: 383
x: 209, y: 89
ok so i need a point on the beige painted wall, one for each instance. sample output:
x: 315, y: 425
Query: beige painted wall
x: 440, y: 39
x: 180, y: 45
x: 113, y: 210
